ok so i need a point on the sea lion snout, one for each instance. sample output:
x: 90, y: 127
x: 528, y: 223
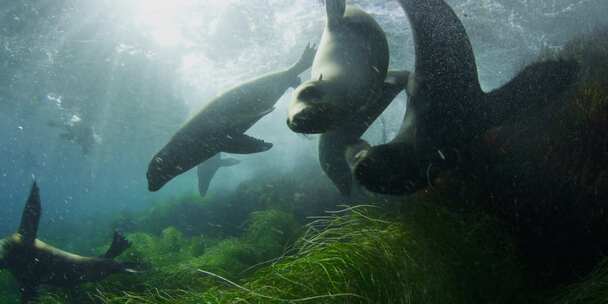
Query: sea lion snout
x: 310, y: 112
x: 156, y: 178
x: 311, y: 119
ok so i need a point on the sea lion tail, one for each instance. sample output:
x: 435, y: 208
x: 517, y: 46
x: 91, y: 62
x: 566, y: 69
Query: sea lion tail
x: 119, y: 245
x: 535, y: 85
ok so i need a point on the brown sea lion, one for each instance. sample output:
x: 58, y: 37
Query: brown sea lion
x: 221, y: 125
x: 33, y: 262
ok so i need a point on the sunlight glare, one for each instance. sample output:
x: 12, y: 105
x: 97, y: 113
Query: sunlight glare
x: 165, y: 20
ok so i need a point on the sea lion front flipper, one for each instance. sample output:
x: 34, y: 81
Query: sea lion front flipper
x: 533, y: 86
x: 444, y: 54
x: 119, y: 245
x: 245, y: 144
x: 31, y: 216
x: 229, y: 162
x: 205, y: 172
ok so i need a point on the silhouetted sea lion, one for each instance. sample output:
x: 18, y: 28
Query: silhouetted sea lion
x: 447, y: 108
x: 34, y: 263
x: 207, y: 170
x: 221, y: 124
x: 348, y: 71
x: 79, y: 132
x: 333, y: 144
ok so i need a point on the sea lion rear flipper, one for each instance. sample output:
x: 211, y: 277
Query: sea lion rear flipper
x: 31, y: 216
x: 119, y: 245
x: 533, y: 86
x: 335, y: 11
x: 244, y: 144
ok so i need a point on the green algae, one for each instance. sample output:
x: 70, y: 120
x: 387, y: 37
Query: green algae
x: 362, y: 255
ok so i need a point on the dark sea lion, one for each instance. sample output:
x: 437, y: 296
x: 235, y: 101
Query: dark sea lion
x: 446, y: 108
x: 207, y: 170
x: 34, y: 263
x: 221, y: 124
x: 333, y: 144
x: 348, y: 71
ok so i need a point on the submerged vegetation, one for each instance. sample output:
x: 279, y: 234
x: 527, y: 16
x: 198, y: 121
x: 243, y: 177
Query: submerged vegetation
x: 356, y: 255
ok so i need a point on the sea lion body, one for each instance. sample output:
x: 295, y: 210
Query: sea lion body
x: 447, y: 110
x: 348, y: 71
x: 220, y: 125
x: 333, y: 145
x: 33, y: 262
x: 44, y: 264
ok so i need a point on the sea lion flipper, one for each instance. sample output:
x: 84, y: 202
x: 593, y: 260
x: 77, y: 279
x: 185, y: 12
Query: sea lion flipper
x: 444, y: 54
x: 335, y: 11
x: 31, y: 216
x: 245, y: 144
x: 229, y: 162
x: 119, y: 245
x: 205, y: 172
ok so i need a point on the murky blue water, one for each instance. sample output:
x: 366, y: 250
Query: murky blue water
x: 129, y: 73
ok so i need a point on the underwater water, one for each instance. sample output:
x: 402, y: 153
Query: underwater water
x: 90, y: 91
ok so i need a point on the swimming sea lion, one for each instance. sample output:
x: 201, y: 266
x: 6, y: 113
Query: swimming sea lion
x: 34, y: 263
x: 221, y: 124
x: 207, y: 170
x: 333, y: 144
x: 348, y: 71
x: 446, y: 108
x: 79, y: 132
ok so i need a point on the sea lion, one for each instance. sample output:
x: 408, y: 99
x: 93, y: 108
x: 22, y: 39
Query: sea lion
x: 221, y: 124
x: 348, y: 71
x: 446, y: 108
x: 33, y: 262
x: 333, y: 144
x: 79, y: 132
x: 207, y: 170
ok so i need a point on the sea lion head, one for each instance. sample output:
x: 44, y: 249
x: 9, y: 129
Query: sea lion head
x: 160, y: 172
x: 314, y: 108
x: 387, y: 169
